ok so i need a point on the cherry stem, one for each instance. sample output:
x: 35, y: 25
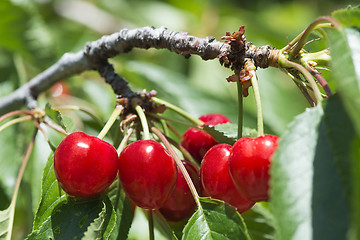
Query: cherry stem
x: 320, y: 79
x: 151, y: 224
x: 19, y: 178
x: 173, y: 120
x: 14, y: 121
x: 317, y: 23
x: 308, y: 76
x: 77, y: 108
x: 15, y: 113
x: 164, y: 127
x: 124, y: 141
x: 56, y: 127
x: 179, y: 111
x: 296, y: 39
x: 184, y: 152
x: 143, y: 121
x: 174, y: 130
x: 38, y: 126
x: 260, y: 121
x: 180, y: 165
x: 303, y: 90
x: 240, y: 109
x: 110, y: 122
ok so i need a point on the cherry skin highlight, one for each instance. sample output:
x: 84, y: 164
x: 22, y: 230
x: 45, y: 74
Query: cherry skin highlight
x: 198, y: 142
x: 85, y: 165
x: 181, y: 203
x: 216, y: 181
x: 249, y: 165
x: 147, y: 173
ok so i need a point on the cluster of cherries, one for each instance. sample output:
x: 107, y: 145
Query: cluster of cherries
x: 86, y: 166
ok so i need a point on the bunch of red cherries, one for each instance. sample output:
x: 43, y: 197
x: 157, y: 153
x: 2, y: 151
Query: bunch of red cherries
x: 86, y: 166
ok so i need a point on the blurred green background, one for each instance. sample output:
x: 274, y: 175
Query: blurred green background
x: 34, y: 34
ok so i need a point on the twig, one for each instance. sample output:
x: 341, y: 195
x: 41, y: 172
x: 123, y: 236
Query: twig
x: 19, y: 178
x: 96, y: 52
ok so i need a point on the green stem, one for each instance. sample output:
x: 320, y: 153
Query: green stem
x: 297, y: 38
x: 317, y: 23
x: 172, y: 120
x: 19, y: 178
x: 14, y: 121
x: 178, y: 110
x: 15, y: 113
x: 180, y: 165
x: 184, y: 152
x: 240, y: 109
x: 164, y: 127
x: 56, y: 127
x: 308, y: 76
x: 303, y: 88
x: 174, y: 130
x: 260, y: 121
x: 151, y: 225
x: 143, y: 121
x: 125, y: 140
x: 110, y: 122
x: 116, y: 201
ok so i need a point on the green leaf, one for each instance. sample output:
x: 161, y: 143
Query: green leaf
x: 227, y: 132
x: 6, y: 222
x: 341, y: 140
x: 291, y: 177
x: 349, y: 17
x: 345, y: 54
x: 223, y: 133
x: 103, y: 225
x: 215, y: 220
x: 355, y: 227
x: 304, y: 181
x: 124, y: 214
x: 259, y: 222
x: 345, y: 146
x: 163, y: 226
x: 330, y: 215
x: 56, y: 116
x: 71, y: 219
x: 50, y: 194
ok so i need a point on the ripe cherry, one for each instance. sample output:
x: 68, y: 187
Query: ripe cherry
x: 85, y: 165
x: 249, y: 165
x: 198, y: 142
x: 181, y: 203
x: 216, y: 181
x: 148, y: 173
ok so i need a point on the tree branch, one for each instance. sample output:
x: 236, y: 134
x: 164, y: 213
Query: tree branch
x: 95, y: 53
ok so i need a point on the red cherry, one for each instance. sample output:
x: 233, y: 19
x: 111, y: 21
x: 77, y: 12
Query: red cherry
x: 148, y: 173
x: 212, y: 119
x: 198, y: 142
x: 249, y: 165
x: 181, y: 204
x: 85, y: 165
x: 216, y: 181
x: 60, y: 89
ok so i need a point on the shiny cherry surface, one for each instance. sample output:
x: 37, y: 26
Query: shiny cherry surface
x: 198, y: 142
x: 85, y: 165
x: 216, y: 181
x: 249, y: 165
x: 181, y: 203
x: 148, y: 173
